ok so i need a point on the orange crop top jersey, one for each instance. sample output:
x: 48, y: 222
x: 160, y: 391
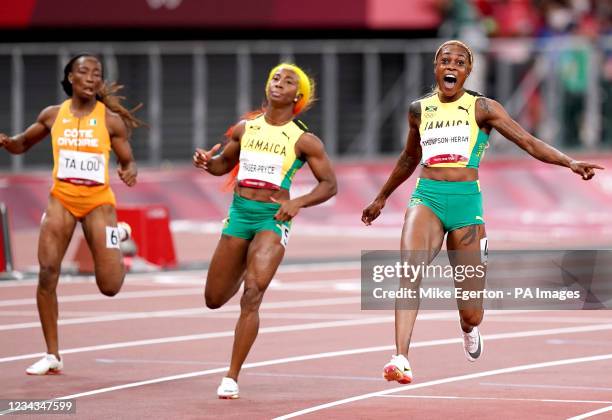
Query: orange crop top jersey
x: 81, y: 150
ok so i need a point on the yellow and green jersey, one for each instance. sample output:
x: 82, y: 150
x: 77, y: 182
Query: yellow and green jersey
x: 267, y: 154
x: 450, y: 136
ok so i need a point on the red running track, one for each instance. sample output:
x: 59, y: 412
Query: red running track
x: 155, y: 351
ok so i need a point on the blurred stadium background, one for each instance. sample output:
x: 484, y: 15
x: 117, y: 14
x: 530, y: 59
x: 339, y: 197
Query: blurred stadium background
x: 197, y: 65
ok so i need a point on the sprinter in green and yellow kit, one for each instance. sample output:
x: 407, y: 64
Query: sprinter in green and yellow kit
x: 449, y: 132
x: 266, y: 148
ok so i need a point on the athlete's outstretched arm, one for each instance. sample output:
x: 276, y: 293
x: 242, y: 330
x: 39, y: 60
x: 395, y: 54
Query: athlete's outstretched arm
x: 21, y: 143
x: 225, y: 161
x: 311, y: 148
x: 405, y: 166
x: 119, y: 134
x: 490, y: 113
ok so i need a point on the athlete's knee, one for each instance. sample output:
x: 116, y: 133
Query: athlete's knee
x: 472, y: 317
x: 110, y: 291
x: 110, y: 286
x: 48, y: 277
x: 251, y: 299
x: 213, y: 302
x: 110, y: 278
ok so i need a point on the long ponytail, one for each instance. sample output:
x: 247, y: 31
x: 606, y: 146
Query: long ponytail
x: 107, y: 94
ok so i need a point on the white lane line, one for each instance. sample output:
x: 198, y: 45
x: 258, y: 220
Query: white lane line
x: 321, y: 266
x: 591, y: 413
x: 121, y: 296
x: 554, y: 319
x: 513, y: 369
x: 319, y: 325
x: 297, y: 375
x: 34, y: 313
x: 207, y: 336
x: 341, y: 353
x: 162, y: 362
x: 563, y: 342
x: 352, y: 284
x: 546, y: 386
x: 296, y: 315
x: 200, y: 310
x: 325, y: 286
x: 176, y: 277
x: 224, y: 369
x: 452, y: 397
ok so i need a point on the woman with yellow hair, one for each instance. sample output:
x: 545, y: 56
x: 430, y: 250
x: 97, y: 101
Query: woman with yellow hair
x: 268, y: 147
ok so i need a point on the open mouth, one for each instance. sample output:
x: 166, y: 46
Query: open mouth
x: 449, y: 81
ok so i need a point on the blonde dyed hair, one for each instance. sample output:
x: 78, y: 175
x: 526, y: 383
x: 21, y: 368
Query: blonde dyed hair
x: 306, y: 86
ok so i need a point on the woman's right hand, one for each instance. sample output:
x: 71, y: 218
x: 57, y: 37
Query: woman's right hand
x: 371, y: 212
x: 4, y: 139
x: 202, y: 157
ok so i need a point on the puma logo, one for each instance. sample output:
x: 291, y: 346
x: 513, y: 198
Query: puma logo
x: 467, y: 110
x: 286, y: 135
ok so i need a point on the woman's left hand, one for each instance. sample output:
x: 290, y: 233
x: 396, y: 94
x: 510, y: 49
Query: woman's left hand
x: 128, y: 174
x: 584, y: 169
x: 287, y: 211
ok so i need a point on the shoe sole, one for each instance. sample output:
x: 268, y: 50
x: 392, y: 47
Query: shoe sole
x: 229, y: 397
x: 391, y: 373
x: 49, y: 372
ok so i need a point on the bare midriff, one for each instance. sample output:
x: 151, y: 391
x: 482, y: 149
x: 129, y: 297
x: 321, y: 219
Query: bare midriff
x: 262, y: 194
x: 449, y: 174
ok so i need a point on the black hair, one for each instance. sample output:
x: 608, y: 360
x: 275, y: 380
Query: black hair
x: 106, y: 95
x: 66, y: 85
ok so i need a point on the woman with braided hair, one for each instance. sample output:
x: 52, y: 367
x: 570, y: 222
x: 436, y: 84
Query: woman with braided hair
x: 448, y: 134
x: 268, y: 147
x: 83, y: 129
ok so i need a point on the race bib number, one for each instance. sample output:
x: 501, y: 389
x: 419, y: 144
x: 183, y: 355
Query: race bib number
x: 81, y: 167
x: 112, y: 237
x: 265, y: 167
x: 446, y: 145
x: 484, y: 250
x: 285, y: 230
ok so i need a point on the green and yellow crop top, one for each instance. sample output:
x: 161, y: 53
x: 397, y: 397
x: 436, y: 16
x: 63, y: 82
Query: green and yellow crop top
x: 267, y: 154
x: 450, y: 136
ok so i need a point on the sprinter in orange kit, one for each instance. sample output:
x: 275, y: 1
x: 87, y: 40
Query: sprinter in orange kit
x: 83, y: 130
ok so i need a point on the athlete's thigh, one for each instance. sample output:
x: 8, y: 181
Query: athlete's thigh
x: 265, y: 255
x: 467, y: 247
x: 422, y: 237
x: 226, y: 268
x: 56, y: 229
x: 422, y: 234
x: 100, y: 229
